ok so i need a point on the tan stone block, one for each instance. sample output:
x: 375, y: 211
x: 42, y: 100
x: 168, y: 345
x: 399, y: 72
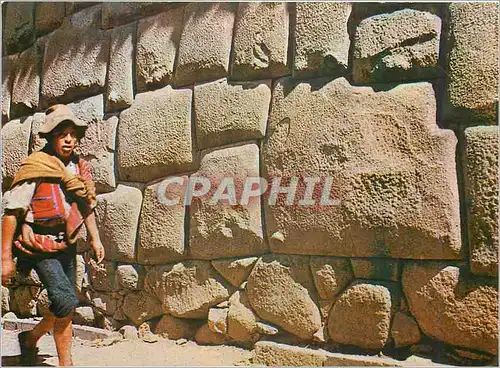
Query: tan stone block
x: 89, y: 17
x: 120, y: 91
x: 98, y: 145
x: 275, y: 354
x: 140, y: 307
x: 228, y: 113
x: 281, y: 290
x: 130, y: 277
x: 407, y: 49
x: 118, y: 216
x: 222, y: 229
x: 241, y: 319
x: 331, y: 275
x: 84, y: 315
x: 102, y: 275
x: 210, y: 25
x: 157, y: 43
x: 235, y: 270
x: 118, y: 13
x: 376, y: 269
x: 205, y: 336
x: 321, y: 39
x: 65, y: 79
x: 367, y: 143
x: 481, y: 183
x: 15, y: 144
x: 362, y: 314
x: 187, y: 289
x: 8, y: 69
x: 163, y: 119
x: 404, y: 330
x: 260, y: 45
x: 177, y: 328
x: 37, y: 143
x: 453, y: 306
x: 472, y: 83
x: 161, y: 228
x: 105, y: 303
x: 49, y: 16
x: 26, y: 86
x: 18, y: 29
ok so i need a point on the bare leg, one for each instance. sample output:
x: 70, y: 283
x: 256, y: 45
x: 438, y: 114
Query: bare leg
x: 63, y: 334
x: 43, y: 327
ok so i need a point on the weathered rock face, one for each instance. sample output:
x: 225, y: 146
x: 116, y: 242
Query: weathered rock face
x: 362, y: 314
x: 115, y: 14
x: 407, y: 48
x: 210, y: 25
x: 321, y: 39
x: 235, y: 270
x: 482, y: 194
x: 376, y: 269
x: 281, y: 290
x: 331, y: 275
x: 84, y: 73
x: 140, y: 307
x: 49, y: 16
x: 205, y: 336
x: 260, y: 45
x: 228, y: 113
x: 98, y: 145
x: 177, y: 328
x: 15, y: 144
x: 241, y: 320
x: 18, y: 29
x: 472, y: 75
x: 369, y: 144
x: 452, y: 306
x: 26, y: 84
x: 120, y: 91
x: 130, y: 277
x: 161, y: 228
x: 8, y: 69
x: 187, y: 289
x: 163, y: 119
x: 222, y: 228
x: 157, y: 43
x: 404, y: 330
x: 118, y: 216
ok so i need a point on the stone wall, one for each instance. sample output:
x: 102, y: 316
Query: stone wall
x: 397, y: 103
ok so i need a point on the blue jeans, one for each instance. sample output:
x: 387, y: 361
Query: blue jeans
x: 57, y: 273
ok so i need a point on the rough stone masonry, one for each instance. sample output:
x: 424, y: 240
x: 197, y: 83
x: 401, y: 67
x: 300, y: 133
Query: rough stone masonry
x: 396, y: 102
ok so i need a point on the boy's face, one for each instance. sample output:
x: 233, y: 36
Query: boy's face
x: 65, y: 141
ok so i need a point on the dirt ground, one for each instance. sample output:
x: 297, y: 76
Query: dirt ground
x: 130, y: 353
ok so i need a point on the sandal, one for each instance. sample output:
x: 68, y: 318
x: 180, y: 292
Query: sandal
x: 28, y: 353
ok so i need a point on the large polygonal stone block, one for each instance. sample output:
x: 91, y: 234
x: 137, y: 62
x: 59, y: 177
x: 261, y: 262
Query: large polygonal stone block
x: 228, y: 113
x: 98, y: 145
x: 161, y: 229
x: 74, y: 63
x: 49, y: 16
x: 26, y: 84
x: 210, y: 25
x: 369, y: 145
x: 154, y: 135
x: 472, y: 90
x: 482, y: 198
x: 220, y: 228
x: 187, y: 289
x: 362, y: 314
x: 15, y: 145
x: 403, y: 45
x: 8, y: 69
x: 453, y: 306
x: 321, y: 39
x: 260, y: 45
x: 281, y: 290
x: 157, y: 43
x: 117, y: 13
x: 118, y: 216
x: 19, y: 26
x: 120, y: 90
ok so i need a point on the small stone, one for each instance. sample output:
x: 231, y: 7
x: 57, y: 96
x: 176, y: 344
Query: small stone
x: 181, y: 341
x: 275, y: 354
x: 177, y: 328
x: 331, y: 275
x: 235, y: 270
x: 128, y: 276
x: 144, y: 330
x: 84, y: 316
x: 205, y: 336
x: 129, y: 332
x: 151, y: 338
x: 267, y: 329
x: 140, y: 307
x: 217, y: 320
x: 113, y: 339
x: 404, y: 330
x: 321, y: 335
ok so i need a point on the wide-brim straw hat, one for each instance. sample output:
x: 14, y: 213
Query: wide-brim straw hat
x: 55, y: 115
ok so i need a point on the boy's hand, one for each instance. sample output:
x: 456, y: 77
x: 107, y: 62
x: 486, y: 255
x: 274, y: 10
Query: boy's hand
x: 8, y: 270
x: 97, y: 250
x: 29, y: 238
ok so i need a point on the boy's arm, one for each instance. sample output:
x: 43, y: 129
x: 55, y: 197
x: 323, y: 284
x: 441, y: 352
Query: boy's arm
x: 95, y: 240
x: 9, y: 224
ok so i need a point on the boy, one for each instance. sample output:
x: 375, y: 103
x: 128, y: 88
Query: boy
x: 51, y: 196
